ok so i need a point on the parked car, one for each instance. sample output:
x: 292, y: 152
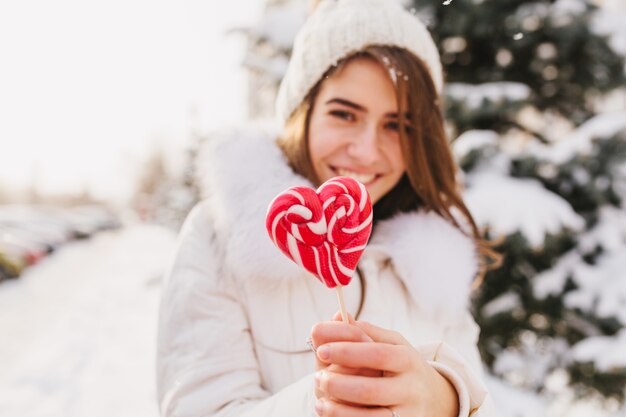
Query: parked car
x: 87, y: 220
x: 24, y: 237
x: 34, y: 221
x: 28, y: 233
x: 8, y: 268
x: 13, y: 259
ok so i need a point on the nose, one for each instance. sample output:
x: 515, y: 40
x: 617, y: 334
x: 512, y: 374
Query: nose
x: 364, y: 145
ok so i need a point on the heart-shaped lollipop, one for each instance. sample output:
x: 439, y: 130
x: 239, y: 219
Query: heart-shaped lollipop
x: 324, y: 231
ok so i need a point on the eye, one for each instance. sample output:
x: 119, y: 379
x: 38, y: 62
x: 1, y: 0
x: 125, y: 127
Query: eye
x: 343, y: 115
x: 395, y: 126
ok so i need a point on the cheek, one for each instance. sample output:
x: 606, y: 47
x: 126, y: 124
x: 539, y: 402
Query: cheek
x: 396, y: 159
x: 314, y: 148
x: 399, y: 163
x: 321, y: 143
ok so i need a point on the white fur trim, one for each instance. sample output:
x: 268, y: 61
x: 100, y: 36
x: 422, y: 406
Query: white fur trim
x: 241, y: 171
x: 240, y: 174
x: 435, y: 260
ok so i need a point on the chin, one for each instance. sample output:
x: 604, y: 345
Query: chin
x: 374, y: 195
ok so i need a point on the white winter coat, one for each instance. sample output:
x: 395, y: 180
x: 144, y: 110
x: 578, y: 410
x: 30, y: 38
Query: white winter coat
x: 235, y: 309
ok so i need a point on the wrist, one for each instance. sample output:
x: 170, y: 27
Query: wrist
x: 454, y: 394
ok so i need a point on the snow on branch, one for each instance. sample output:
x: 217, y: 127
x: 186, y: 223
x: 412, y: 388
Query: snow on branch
x: 473, y: 140
x: 602, y: 126
x: 496, y: 92
x: 506, y: 205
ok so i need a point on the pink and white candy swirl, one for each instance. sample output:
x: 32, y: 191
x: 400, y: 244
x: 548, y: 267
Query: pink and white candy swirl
x: 324, y: 231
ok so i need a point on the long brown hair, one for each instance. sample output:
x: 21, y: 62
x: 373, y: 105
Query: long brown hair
x: 430, y: 181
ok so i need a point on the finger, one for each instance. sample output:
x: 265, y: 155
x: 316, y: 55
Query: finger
x: 364, y: 390
x: 346, y: 371
x: 380, y: 356
x: 334, y: 331
x: 352, y: 371
x: 329, y: 408
x: 382, y: 335
x: 339, y: 317
x: 349, y: 371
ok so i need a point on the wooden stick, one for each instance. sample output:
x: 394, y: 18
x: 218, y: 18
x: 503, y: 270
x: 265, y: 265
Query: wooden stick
x: 342, y: 303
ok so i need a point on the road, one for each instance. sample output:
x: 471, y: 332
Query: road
x: 78, y: 330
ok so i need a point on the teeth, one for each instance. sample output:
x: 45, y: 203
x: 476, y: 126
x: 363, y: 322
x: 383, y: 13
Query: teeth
x: 362, y: 178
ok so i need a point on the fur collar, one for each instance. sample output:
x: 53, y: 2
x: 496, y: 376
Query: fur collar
x: 242, y: 170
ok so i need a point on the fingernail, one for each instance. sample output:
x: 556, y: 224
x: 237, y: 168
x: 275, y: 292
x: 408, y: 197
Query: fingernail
x: 323, y: 352
x: 319, y: 407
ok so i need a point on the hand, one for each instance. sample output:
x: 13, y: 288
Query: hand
x: 398, y: 378
x: 337, y: 330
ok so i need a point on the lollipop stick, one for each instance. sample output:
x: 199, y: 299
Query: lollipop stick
x: 342, y: 303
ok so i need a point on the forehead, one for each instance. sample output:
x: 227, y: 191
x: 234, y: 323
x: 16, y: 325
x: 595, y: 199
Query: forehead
x: 364, y: 81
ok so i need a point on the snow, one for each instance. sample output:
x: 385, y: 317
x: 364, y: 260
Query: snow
x: 610, y: 23
x: 512, y: 402
x: 495, y: 92
x: 610, y: 231
x: 473, y: 140
x: 552, y: 281
x: 529, y: 364
x: 501, y: 304
x: 607, y: 352
x: 79, y: 329
x: 601, y: 286
x: 563, y: 12
x: 82, y: 333
x: 602, y: 126
x: 506, y: 205
x: 570, y: 7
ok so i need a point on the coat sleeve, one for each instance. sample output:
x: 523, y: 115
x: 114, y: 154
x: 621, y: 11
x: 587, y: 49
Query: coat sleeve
x: 206, y: 363
x: 457, y: 358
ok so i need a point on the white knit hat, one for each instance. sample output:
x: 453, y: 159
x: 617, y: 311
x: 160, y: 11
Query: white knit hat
x: 339, y: 28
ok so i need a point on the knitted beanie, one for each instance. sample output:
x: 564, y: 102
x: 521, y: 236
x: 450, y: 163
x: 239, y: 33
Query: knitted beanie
x: 340, y: 28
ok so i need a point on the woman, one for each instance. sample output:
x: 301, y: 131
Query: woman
x: 360, y: 99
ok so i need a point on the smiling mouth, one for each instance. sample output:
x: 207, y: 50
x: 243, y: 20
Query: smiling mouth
x: 365, y: 179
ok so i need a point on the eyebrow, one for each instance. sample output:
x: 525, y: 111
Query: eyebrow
x: 358, y: 107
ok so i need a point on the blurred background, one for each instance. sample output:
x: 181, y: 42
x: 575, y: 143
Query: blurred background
x: 105, y: 105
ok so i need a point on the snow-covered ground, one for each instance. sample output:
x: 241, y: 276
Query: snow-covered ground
x: 78, y: 335
x: 78, y: 330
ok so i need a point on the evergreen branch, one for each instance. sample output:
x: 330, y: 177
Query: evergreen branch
x: 523, y: 128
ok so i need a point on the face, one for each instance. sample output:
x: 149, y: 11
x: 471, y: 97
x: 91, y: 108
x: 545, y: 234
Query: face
x: 354, y: 130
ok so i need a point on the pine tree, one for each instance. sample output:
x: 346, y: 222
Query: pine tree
x: 545, y: 175
x: 164, y: 197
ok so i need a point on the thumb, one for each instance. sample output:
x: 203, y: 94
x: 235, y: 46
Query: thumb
x: 338, y: 317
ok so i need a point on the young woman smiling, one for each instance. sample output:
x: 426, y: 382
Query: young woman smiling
x: 361, y: 98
